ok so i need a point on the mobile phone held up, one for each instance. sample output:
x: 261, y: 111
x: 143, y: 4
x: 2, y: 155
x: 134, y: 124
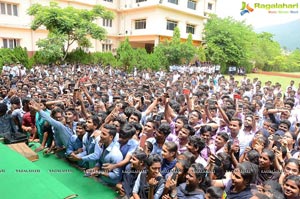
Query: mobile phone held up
x: 186, y: 91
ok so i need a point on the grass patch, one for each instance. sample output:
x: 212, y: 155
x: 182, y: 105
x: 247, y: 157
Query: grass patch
x: 284, y: 81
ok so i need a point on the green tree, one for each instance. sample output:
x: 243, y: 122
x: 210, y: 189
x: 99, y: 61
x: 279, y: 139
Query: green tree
x: 67, y: 26
x: 174, y: 49
x: 126, y: 56
x: 293, y: 61
x: 11, y: 56
x: 104, y: 58
x: 6, y: 56
x: 21, y: 55
x: 200, y: 53
x: 228, y: 42
x: 142, y: 58
x: 79, y: 56
x: 159, y: 58
x: 188, y: 50
x: 265, y: 50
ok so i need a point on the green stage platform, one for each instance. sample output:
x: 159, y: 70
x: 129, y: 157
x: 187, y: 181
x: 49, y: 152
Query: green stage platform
x: 47, y: 178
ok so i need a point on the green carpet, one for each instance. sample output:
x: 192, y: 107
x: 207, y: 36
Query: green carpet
x: 55, y: 178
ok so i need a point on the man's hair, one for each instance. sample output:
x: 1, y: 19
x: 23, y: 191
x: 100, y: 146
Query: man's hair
x: 287, y: 122
x: 182, y: 118
x: 197, y: 142
x: 155, y: 124
x: 121, y: 120
x: 56, y: 110
x: 128, y: 111
x: 190, y: 129
x: 72, y: 110
x: 165, y: 129
x: 127, y: 131
x: 82, y: 124
x: 140, y: 155
x: 3, y: 108
x: 15, y: 100
x: 205, y: 129
x: 237, y: 119
x: 137, y: 113
x: 175, y: 106
x: 96, y: 120
x: 112, y: 130
x: 198, y: 113
x: 137, y: 126
x: 25, y: 101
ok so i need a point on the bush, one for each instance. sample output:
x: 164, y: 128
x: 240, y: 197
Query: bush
x: 79, y: 56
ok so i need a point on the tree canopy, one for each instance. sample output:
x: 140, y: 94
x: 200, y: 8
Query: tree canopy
x: 228, y: 42
x: 233, y: 43
x: 67, y: 26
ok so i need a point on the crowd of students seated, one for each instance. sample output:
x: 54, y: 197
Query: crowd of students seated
x: 161, y: 134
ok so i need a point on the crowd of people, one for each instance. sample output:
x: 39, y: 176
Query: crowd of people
x: 178, y: 134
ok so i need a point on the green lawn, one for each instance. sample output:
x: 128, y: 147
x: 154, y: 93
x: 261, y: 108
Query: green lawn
x: 49, y: 177
x: 284, y: 81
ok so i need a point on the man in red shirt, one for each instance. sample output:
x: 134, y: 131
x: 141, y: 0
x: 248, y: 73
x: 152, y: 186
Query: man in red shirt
x: 28, y: 123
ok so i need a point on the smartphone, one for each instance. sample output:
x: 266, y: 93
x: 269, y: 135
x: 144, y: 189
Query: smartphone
x: 217, y: 161
x: 212, y: 102
x: 142, y: 100
x: 143, y: 140
x: 240, y: 105
x: 237, y: 96
x: 229, y: 144
x: 71, y: 85
x: 186, y: 91
x: 158, y: 118
x: 278, y: 145
x: 174, y: 175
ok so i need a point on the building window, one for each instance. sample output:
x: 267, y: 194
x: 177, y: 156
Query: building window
x: 209, y: 6
x: 106, y: 47
x: 111, y: 1
x: 190, y: 29
x: 191, y: 4
x: 140, y: 24
x: 15, y: 10
x: 138, y: 1
x: 107, y: 22
x: 11, y: 43
x: 173, y: 1
x: 9, y: 9
x: 171, y: 25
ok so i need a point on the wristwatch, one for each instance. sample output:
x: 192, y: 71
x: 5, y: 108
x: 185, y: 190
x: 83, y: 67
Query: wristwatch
x: 173, y: 195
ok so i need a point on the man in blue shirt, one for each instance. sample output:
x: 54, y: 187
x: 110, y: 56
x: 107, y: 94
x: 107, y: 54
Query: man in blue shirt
x: 90, y: 151
x: 127, y: 146
x: 111, y: 154
x: 62, y: 132
x: 159, y: 138
x: 75, y: 143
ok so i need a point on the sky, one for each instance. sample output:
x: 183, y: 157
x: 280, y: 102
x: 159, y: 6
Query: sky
x: 259, y: 17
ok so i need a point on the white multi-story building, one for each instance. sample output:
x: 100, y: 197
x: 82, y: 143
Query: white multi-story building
x: 145, y: 22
